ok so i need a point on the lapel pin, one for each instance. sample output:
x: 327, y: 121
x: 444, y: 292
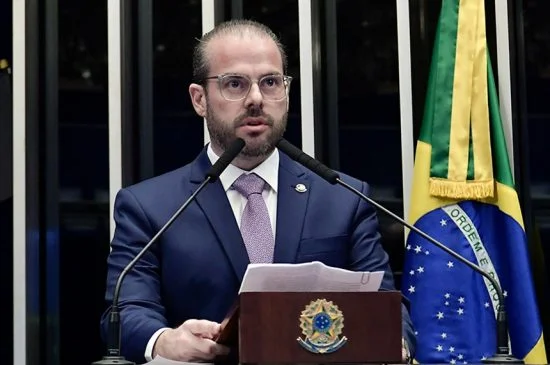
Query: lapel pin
x: 301, y: 188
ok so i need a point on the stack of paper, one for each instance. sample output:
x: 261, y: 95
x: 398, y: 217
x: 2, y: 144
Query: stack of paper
x: 162, y: 361
x: 308, y: 277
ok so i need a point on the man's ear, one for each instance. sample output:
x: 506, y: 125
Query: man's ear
x: 287, y: 103
x: 287, y: 91
x: 198, y: 98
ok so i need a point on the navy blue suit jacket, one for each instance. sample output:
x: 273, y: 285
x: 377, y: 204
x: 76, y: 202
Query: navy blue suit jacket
x: 195, y: 269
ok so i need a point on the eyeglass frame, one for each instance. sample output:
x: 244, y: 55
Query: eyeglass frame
x: 286, y: 81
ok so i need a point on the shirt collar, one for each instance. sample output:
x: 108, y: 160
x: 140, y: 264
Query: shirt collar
x: 267, y: 170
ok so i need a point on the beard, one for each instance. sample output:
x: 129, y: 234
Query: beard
x: 223, y: 133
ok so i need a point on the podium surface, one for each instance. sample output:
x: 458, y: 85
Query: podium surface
x: 315, y: 327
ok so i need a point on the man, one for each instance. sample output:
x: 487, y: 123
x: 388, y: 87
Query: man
x: 173, y: 301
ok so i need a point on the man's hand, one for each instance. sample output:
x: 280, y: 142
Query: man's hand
x: 190, y: 342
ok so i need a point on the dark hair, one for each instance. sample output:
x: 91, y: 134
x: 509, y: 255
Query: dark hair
x: 231, y: 27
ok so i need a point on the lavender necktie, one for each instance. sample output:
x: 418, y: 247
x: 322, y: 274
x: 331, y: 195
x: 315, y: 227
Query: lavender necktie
x: 255, y: 223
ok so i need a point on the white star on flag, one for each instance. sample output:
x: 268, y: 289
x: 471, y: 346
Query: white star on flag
x: 453, y: 361
x: 446, y: 303
x: 505, y: 293
x: 461, y: 300
x: 440, y: 315
x: 411, y: 272
x: 408, y: 247
x: 447, y: 295
x: 443, y: 335
x: 418, y: 249
x: 443, y: 222
x: 439, y: 348
x: 420, y: 269
x: 460, y: 356
x: 460, y: 311
x: 487, y: 304
x: 427, y: 252
x: 450, y: 264
x: 451, y: 349
x: 411, y: 289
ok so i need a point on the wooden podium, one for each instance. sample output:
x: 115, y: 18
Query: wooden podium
x: 268, y: 327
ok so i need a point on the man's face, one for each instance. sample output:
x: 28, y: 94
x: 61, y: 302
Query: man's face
x: 258, y: 121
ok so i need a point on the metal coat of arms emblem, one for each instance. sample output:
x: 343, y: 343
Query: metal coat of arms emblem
x: 322, y: 323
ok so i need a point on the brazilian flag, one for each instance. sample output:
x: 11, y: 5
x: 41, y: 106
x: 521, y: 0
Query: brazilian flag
x: 463, y: 195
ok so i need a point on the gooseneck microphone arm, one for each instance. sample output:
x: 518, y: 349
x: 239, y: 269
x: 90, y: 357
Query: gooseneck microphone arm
x: 113, y: 336
x: 114, y: 318
x: 502, y: 321
x: 502, y: 354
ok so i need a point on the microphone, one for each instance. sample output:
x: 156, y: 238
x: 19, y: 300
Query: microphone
x: 113, y: 356
x: 502, y: 354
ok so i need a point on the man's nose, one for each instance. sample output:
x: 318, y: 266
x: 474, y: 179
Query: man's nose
x: 254, y: 96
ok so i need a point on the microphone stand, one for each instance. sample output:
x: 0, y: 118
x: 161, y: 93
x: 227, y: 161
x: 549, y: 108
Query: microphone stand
x: 113, y: 356
x: 502, y: 354
x: 503, y: 351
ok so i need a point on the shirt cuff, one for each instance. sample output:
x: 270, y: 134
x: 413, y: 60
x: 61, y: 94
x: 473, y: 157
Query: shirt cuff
x: 151, y: 344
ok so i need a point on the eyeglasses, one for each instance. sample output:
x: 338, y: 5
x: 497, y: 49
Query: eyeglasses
x: 234, y: 87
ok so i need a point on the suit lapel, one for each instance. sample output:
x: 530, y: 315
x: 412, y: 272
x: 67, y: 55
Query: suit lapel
x: 213, y: 201
x: 291, y: 209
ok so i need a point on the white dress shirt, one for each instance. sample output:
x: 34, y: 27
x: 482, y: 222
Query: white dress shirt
x: 267, y: 170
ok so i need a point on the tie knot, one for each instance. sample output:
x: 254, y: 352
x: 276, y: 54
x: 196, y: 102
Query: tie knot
x: 249, y: 184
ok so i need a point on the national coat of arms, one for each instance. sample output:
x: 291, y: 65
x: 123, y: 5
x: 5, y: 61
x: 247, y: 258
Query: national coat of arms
x: 322, y: 323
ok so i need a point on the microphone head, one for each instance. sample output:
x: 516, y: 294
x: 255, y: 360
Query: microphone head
x: 225, y: 159
x: 292, y: 151
x: 304, y: 159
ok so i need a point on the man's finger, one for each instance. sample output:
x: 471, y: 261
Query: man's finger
x: 202, y: 327
x: 211, y: 347
x: 195, y: 349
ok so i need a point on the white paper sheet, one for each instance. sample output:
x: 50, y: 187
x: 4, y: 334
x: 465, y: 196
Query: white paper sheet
x: 159, y: 360
x: 308, y: 277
